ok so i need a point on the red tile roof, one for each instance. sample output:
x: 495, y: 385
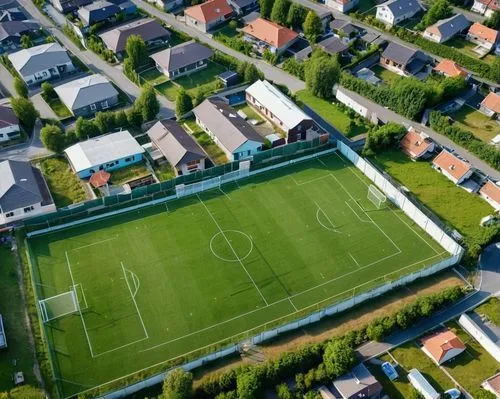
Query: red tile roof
x: 209, y: 11
x: 414, y: 145
x: 99, y: 178
x: 491, y: 4
x: 492, y: 101
x: 440, y: 344
x: 450, y: 68
x: 492, y: 191
x: 494, y: 383
x: 483, y: 32
x: 270, y: 32
x: 451, y: 164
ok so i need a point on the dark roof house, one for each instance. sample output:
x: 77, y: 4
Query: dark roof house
x: 345, y: 27
x: 148, y: 28
x: 445, y: 29
x: 7, y: 117
x: 405, y: 59
x: 242, y: 7
x: 12, y: 14
x: 69, y: 6
x: 11, y: 31
x: 98, y: 11
x: 359, y: 383
x: 333, y: 45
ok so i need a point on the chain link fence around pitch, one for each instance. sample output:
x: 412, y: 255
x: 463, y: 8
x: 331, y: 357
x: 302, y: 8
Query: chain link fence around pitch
x: 142, y: 195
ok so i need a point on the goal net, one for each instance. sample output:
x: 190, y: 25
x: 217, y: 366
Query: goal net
x: 376, y: 196
x: 58, y: 306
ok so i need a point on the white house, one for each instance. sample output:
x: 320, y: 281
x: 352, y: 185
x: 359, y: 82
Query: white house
x: 393, y: 12
x: 23, y: 192
x: 442, y: 346
x: 486, y: 7
x: 491, y: 193
x: 452, y: 167
x: 349, y: 99
x: 40, y: 63
x: 445, y: 29
x: 342, y: 5
x: 422, y: 385
x: 233, y: 134
x: 9, y: 124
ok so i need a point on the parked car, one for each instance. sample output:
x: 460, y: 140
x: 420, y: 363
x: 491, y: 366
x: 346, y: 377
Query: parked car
x: 453, y: 393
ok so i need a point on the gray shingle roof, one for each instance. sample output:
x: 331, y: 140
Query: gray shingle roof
x: 402, y: 7
x: 182, y: 55
x: 98, y: 11
x: 222, y: 120
x: 344, y: 26
x: 451, y: 26
x: 175, y: 143
x: 7, y: 116
x: 21, y: 185
x: 85, y: 91
x: 358, y: 383
x: 333, y: 45
x: 147, y: 28
x: 16, y: 28
x: 398, y: 53
x: 38, y: 58
x: 12, y: 14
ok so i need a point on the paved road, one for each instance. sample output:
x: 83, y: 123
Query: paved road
x: 94, y: 62
x: 42, y: 107
x: 271, y: 73
x: 7, y: 80
x: 386, y: 115
x: 489, y: 285
x: 32, y: 149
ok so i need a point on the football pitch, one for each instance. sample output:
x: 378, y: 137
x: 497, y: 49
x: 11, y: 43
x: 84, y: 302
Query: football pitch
x: 171, y: 280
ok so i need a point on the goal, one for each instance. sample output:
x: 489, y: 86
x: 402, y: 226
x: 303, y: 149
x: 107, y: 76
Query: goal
x: 58, y: 306
x: 376, y: 196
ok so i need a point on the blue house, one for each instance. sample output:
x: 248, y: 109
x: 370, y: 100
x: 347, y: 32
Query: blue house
x: 108, y: 152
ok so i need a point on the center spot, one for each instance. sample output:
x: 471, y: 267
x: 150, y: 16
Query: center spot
x: 231, y: 245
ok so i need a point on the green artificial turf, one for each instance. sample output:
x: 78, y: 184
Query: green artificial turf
x: 167, y: 281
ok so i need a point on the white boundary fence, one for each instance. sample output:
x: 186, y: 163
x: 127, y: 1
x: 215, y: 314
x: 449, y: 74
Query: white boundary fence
x: 400, y: 200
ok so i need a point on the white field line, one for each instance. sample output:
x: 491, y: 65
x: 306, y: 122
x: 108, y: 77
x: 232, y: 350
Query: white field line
x: 58, y: 295
x: 83, y: 296
x: 321, y: 162
x: 353, y: 171
x: 295, y: 307
x: 79, y: 310
x: 166, y: 205
x: 60, y: 315
x: 308, y: 181
x: 43, y: 309
x: 133, y: 299
x: 120, y: 347
x: 333, y: 227
x: 354, y: 259
x: 234, y: 252
x: 95, y: 243
x: 137, y: 283
x: 357, y: 215
x: 223, y: 192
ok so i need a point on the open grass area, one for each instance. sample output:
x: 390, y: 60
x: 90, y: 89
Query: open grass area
x: 18, y: 356
x: 250, y: 112
x: 472, y: 366
x: 153, y: 76
x: 58, y: 107
x: 65, y: 187
x: 331, y: 113
x: 480, y: 125
x: 213, y: 150
x: 205, y: 79
x: 388, y: 77
x: 467, y: 48
x: 397, y: 389
x: 164, y: 281
x: 437, y: 192
x: 168, y: 89
x: 491, y: 309
x: 131, y: 172
x: 164, y: 171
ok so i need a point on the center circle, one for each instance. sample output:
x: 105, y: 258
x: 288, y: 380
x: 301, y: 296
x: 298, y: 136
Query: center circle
x: 231, y: 245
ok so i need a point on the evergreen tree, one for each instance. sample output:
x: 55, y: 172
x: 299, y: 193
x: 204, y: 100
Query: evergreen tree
x: 25, y: 111
x: 20, y: 87
x: 147, y: 103
x: 178, y: 385
x: 279, y: 12
x: 296, y: 16
x: 137, y: 51
x: 313, y: 28
x: 183, y: 103
x: 266, y: 7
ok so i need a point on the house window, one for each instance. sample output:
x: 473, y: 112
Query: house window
x: 9, y: 214
x: 104, y: 104
x: 93, y: 107
x: 28, y: 209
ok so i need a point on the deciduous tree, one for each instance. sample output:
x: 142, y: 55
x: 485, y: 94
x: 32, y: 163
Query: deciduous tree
x: 53, y: 138
x: 25, y: 111
x: 136, y: 50
x: 321, y: 74
x: 178, y: 385
x: 20, y: 87
x: 86, y: 129
x: 26, y: 41
x: 339, y: 358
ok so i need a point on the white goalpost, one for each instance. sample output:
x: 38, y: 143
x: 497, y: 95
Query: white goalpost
x: 376, y: 196
x: 58, y: 306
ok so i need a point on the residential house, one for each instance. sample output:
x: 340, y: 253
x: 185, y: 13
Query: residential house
x: 98, y: 11
x: 422, y: 385
x: 442, y: 347
x: 342, y: 5
x: 359, y: 383
x: 88, y: 95
x: 23, y: 192
x: 490, y: 105
x: 452, y: 167
x: 268, y: 35
x: 445, y: 29
x: 243, y: 7
x: 345, y: 30
x: 149, y: 29
x: 482, y: 333
x: 12, y: 14
x: 178, y: 147
x: 271, y: 103
x: 208, y: 15
x: 356, y: 102
x: 483, y: 36
x: 9, y: 124
x: 334, y: 46
x: 491, y: 193
x: 40, y: 63
x: 393, y: 12
x: 182, y: 59
x: 107, y: 152
x: 69, y: 6
x: 233, y: 134
x: 403, y: 60
x: 12, y: 31
x: 417, y: 145
x: 168, y: 5
x: 450, y: 69
x: 5, y: 4
x: 486, y: 7
x: 492, y: 384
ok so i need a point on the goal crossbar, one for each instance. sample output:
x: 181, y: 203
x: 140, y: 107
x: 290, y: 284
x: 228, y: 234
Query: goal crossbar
x: 58, y: 306
x: 376, y: 196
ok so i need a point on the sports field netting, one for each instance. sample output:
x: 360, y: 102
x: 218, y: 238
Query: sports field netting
x: 169, y: 280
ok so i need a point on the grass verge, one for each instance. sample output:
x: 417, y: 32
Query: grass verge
x: 123, y: 175
x: 491, y: 309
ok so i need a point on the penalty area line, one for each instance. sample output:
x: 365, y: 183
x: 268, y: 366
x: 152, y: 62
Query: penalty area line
x: 133, y: 300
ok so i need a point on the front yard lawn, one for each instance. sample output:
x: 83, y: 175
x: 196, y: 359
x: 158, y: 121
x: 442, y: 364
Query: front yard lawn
x: 249, y: 112
x: 132, y: 172
x: 467, y: 48
x: 213, y: 150
x: 164, y: 171
x: 65, y: 186
x: 168, y: 89
x: 472, y: 366
x: 331, y: 113
x: 480, y: 125
x: 491, y: 309
x: 388, y: 77
x: 153, y: 76
x: 452, y: 204
x: 204, y: 77
x: 398, y: 389
x: 57, y: 106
